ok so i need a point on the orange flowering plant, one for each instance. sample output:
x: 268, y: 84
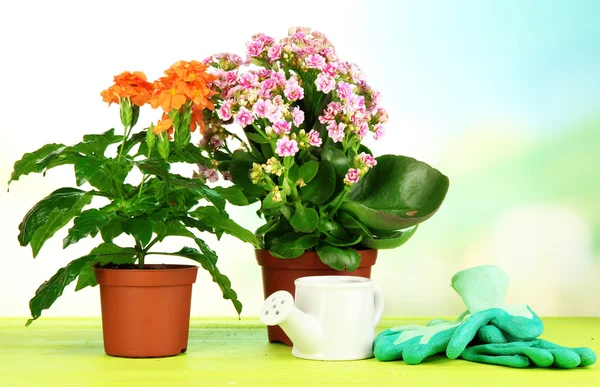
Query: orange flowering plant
x: 158, y: 205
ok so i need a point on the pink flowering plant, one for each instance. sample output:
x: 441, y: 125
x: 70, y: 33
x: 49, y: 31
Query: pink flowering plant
x: 303, y: 114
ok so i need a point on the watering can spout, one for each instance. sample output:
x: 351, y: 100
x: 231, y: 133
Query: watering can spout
x: 303, y: 329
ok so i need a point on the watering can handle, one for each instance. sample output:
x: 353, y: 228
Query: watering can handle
x: 378, y: 293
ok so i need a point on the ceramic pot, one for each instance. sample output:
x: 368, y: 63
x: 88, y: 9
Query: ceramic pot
x: 146, y: 313
x: 280, y: 274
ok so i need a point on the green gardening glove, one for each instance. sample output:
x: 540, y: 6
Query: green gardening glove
x: 414, y: 343
x: 504, y: 349
x: 483, y: 289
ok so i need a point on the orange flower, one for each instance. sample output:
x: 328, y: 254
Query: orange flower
x: 169, y: 94
x: 197, y: 120
x: 184, y: 81
x: 129, y: 85
x: 164, y: 124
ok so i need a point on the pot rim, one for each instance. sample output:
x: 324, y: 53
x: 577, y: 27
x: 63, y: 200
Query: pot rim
x: 169, y: 267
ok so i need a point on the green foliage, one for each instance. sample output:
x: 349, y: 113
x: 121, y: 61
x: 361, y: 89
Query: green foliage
x: 162, y: 204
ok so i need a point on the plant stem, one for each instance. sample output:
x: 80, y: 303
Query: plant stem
x: 152, y: 243
x: 142, y: 186
x: 125, y: 135
x: 338, y: 204
x: 141, y: 254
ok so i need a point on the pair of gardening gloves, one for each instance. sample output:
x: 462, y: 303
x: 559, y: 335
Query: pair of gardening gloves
x: 488, y: 332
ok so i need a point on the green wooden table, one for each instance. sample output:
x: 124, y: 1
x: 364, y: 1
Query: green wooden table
x: 68, y: 352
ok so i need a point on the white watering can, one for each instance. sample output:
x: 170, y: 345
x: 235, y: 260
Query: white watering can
x: 334, y: 317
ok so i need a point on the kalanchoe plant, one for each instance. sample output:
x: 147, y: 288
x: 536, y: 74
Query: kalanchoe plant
x: 161, y: 204
x: 305, y: 113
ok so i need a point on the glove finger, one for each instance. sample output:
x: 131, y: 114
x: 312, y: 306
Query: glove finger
x: 386, y: 349
x: 416, y: 353
x: 491, y: 334
x: 515, y: 361
x: 467, y: 331
x: 522, y: 328
x: 540, y: 357
x: 396, y: 331
x: 565, y: 358
x: 587, y: 356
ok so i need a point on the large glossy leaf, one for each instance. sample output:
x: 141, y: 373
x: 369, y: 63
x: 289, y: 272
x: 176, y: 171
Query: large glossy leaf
x: 389, y: 242
x: 293, y: 245
x: 233, y: 195
x: 209, y: 264
x: 50, y: 215
x: 89, y: 222
x: 190, y: 154
x: 322, y: 185
x: 338, y: 258
x: 150, y: 167
x: 140, y: 228
x: 107, y: 175
x: 48, y: 156
x: 50, y: 290
x: 112, y: 229
x: 241, y: 164
x: 106, y: 253
x: 210, y: 217
x: 340, y: 164
x: 305, y: 219
x: 96, y: 144
x: 398, y: 193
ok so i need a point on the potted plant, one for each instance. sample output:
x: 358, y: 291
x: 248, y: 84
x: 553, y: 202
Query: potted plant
x: 326, y: 201
x: 130, y: 190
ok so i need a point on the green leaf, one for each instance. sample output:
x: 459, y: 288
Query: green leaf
x: 50, y: 215
x: 140, y: 228
x: 48, y: 156
x: 89, y: 222
x: 107, y: 175
x: 338, y: 258
x: 322, y: 186
x: 210, y: 217
x: 346, y: 242
x: 308, y: 171
x: 106, y: 253
x: 150, y: 140
x: 150, y: 167
x: 241, y: 164
x: 257, y: 138
x: 354, y: 225
x: 209, y: 264
x: 269, y: 226
x: 390, y: 242
x: 398, y: 193
x: 340, y: 164
x: 233, y: 195
x: 269, y: 204
x: 305, y: 219
x: 163, y: 145
x: 293, y: 245
x: 183, y: 136
x: 50, y: 290
x: 96, y: 144
x: 112, y: 229
x: 190, y: 154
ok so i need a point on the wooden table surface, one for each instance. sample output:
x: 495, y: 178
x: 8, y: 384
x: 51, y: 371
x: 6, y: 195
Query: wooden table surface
x: 68, y: 352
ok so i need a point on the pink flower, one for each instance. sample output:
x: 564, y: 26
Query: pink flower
x: 274, y: 52
x: 212, y: 175
x: 378, y: 131
x: 336, y: 131
x: 244, y: 117
x: 260, y: 108
x: 224, y: 112
x: 344, y: 90
x: 227, y: 176
x: 282, y: 126
x: 255, y: 48
x: 352, y: 176
x: 368, y: 160
x: 248, y: 80
x: 314, y: 139
x: 264, y: 73
x: 381, y: 115
x: 297, y: 116
x: 325, y: 83
x: 330, y: 69
x: 375, y: 98
x: 315, y: 61
x: 273, y: 112
x: 230, y: 76
x: 286, y: 147
x: 265, y: 39
x: 362, y: 131
x: 216, y: 142
x: 333, y: 109
x: 293, y: 91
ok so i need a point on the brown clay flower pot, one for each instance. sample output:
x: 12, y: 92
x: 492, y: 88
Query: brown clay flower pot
x: 146, y: 313
x: 280, y: 274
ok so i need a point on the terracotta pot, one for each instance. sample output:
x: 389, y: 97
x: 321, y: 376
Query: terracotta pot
x: 146, y: 313
x: 280, y: 274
